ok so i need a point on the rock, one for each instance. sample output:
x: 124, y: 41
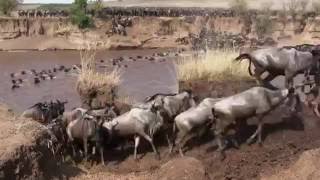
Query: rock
x: 187, y: 168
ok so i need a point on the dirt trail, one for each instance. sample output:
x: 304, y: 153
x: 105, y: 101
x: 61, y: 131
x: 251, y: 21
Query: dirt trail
x: 285, y: 139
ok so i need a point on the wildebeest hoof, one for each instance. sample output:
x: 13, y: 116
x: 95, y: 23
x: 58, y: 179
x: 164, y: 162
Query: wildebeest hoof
x: 249, y: 142
x: 158, y: 156
x: 222, y: 157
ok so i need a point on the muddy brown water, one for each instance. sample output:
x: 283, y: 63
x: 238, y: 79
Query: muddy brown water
x: 140, y: 78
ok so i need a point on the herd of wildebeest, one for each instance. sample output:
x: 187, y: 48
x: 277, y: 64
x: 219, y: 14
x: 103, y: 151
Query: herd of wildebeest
x: 37, y: 77
x: 180, y: 117
x: 134, y: 11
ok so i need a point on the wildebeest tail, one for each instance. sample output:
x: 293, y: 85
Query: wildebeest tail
x: 245, y: 56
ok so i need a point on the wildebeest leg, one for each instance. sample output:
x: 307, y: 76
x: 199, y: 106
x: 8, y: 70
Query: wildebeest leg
x: 184, y: 141
x: 173, y: 137
x: 148, y: 138
x: 170, y: 144
x: 268, y: 79
x: 257, y: 74
x: 220, y: 145
x: 85, y: 146
x: 101, y: 153
x: 180, y: 138
x: 257, y: 132
x: 315, y: 109
x: 136, y: 144
x: 289, y: 79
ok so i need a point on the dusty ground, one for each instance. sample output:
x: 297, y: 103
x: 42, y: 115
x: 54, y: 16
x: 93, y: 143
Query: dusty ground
x: 285, y: 139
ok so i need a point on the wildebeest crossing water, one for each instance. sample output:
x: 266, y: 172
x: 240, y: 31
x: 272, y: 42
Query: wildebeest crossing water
x: 140, y: 78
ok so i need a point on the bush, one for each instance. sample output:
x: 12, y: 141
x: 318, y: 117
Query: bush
x: 79, y: 14
x: 6, y: 6
x: 81, y: 19
x: 316, y: 6
x: 296, y: 7
x: 96, y: 88
x: 263, y: 25
x: 97, y: 6
x: 217, y: 66
x: 240, y: 7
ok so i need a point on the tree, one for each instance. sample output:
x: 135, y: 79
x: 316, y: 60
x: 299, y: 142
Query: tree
x: 79, y: 14
x: 97, y: 6
x: 6, y: 6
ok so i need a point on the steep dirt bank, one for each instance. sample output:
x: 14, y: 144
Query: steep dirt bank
x: 149, y: 32
x: 23, y: 149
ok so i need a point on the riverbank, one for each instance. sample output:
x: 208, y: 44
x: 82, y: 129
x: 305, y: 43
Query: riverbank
x: 154, y: 32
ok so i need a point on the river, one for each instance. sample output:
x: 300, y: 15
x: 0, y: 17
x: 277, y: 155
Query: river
x: 140, y: 78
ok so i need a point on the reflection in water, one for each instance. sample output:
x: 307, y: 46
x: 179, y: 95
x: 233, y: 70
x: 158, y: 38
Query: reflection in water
x: 141, y: 78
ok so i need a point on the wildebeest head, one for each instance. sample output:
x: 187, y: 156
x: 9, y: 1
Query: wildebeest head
x: 60, y: 106
x: 157, y: 104
x: 189, y: 99
x: 316, y: 54
x: 111, y: 111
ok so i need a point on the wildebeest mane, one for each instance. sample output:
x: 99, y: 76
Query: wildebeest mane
x: 301, y: 47
x: 150, y: 98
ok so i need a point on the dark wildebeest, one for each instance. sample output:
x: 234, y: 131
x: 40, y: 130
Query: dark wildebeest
x: 86, y: 128
x: 256, y: 101
x: 37, y: 112
x: 45, y: 112
x: 174, y: 104
x: 141, y: 121
x: 280, y: 61
x: 195, y: 121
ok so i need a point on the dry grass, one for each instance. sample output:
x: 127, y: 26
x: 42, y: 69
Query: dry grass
x: 217, y: 65
x: 90, y: 80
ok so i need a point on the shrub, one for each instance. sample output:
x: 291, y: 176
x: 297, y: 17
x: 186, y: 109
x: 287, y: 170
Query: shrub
x: 217, y: 65
x: 296, y: 7
x: 263, y: 25
x: 6, y: 6
x: 94, y: 86
x: 79, y: 16
x: 316, y: 6
x: 239, y: 6
x: 97, y: 6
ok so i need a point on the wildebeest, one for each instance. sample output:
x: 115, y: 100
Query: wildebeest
x: 280, y: 61
x: 194, y: 120
x: 256, y: 101
x: 174, y: 104
x: 36, y: 112
x: 45, y: 112
x: 86, y: 128
x: 141, y: 121
x: 312, y: 100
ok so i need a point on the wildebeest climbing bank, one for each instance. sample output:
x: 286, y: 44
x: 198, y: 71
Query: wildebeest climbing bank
x: 109, y: 90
